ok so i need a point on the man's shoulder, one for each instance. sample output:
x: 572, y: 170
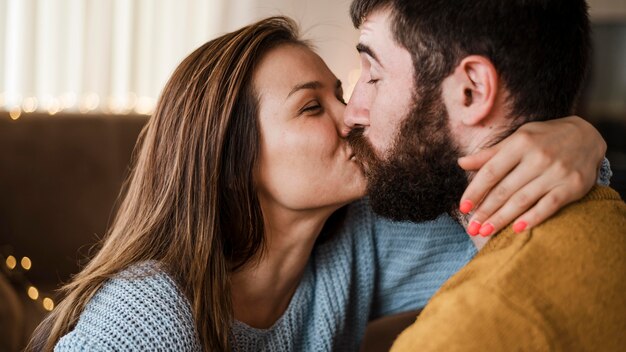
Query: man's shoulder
x: 140, y: 308
x: 559, y: 284
x: 472, y: 319
x: 601, y: 209
x: 587, y: 236
x: 572, y: 262
x: 590, y: 232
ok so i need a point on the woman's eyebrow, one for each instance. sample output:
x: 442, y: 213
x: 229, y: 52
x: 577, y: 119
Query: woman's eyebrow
x: 311, y: 85
x: 306, y: 85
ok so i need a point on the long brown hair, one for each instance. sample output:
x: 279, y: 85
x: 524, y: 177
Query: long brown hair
x: 190, y: 201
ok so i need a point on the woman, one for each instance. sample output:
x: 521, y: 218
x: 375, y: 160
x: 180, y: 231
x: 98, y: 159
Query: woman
x: 233, y: 232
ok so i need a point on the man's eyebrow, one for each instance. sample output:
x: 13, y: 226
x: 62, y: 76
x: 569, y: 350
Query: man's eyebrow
x: 364, y: 49
x: 306, y: 85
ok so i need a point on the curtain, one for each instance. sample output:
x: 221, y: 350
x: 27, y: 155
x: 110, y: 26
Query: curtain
x: 105, y: 55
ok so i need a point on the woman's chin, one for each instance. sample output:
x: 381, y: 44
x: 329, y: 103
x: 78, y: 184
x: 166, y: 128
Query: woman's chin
x: 360, y: 189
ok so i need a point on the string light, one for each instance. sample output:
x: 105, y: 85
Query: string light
x: 33, y: 293
x: 144, y: 106
x: 48, y: 304
x: 68, y: 100
x: 54, y: 106
x: 29, y: 105
x: 119, y: 106
x: 89, y: 102
x: 11, y: 262
x: 131, y: 101
x: 15, y: 113
x: 26, y: 263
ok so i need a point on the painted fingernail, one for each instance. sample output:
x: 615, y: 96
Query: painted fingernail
x: 473, y: 228
x: 466, y: 206
x: 519, y: 226
x: 486, y: 230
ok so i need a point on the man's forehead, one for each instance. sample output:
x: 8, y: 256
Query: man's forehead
x: 368, y: 27
x: 373, y: 22
x: 377, y: 41
x: 375, y: 27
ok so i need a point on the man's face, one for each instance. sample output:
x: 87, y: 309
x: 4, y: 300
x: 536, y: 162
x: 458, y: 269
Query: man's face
x: 403, y: 140
x: 383, y: 94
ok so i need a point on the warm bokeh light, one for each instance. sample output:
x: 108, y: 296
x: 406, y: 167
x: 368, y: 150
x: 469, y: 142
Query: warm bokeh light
x: 26, y: 263
x: 68, y: 100
x: 144, y: 106
x: 29, y: 105
x: 33, y: 293
x: 11, y: 262
x: 48, y: 304
x: 89, y: 102
x: 15, y: 113
x: 54, y: 106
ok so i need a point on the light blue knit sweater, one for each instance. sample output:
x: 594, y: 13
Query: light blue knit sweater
x: 370, y: 268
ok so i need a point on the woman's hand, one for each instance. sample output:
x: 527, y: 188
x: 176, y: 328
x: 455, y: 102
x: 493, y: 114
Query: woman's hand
x: 531, y: 174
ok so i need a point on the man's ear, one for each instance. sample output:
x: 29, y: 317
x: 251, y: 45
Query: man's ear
x: 475, y: 89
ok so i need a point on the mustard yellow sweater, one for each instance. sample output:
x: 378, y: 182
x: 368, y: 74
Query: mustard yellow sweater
x: 558, y: 287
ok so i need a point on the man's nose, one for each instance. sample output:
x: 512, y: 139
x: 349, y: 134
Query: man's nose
x: 356, y: 114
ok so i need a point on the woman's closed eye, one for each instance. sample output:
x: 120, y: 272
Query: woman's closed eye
x: 312, y: 108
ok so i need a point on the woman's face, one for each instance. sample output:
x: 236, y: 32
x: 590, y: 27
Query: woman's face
x: 304, y: 163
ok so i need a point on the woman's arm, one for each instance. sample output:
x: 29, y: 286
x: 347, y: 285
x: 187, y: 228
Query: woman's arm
x: 533, y: 173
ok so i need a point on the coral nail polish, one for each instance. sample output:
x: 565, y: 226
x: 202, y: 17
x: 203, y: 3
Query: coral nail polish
x: 466, y: 206
x: 519, y: 226
x: 474, y: 228
x: 486, y: 230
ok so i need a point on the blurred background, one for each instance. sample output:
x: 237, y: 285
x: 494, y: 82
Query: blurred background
x: 79, y: 79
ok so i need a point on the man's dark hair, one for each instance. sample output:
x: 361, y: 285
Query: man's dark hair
x: 540, y: 48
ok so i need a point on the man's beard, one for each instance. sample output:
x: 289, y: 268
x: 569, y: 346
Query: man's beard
x: 420, y: 178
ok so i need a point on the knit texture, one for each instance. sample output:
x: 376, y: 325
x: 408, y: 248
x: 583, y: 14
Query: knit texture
x: 560, y: 286
x: 371, y: 267
x: 141, y: 309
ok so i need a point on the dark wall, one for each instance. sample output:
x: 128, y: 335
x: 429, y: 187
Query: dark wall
x: 59, y: 179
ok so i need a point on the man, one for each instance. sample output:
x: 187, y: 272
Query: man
x: 441, y: 79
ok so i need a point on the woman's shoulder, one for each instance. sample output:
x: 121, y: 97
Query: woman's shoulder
x: 140, y: 308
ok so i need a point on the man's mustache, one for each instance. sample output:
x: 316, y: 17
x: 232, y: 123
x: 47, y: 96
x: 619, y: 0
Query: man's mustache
x: 362, y: 148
